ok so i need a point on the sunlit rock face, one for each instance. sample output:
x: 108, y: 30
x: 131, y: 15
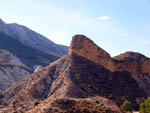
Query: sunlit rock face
x: 83, y: 46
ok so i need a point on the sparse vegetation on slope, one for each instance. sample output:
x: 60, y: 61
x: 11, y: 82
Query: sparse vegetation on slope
x: 78, y: 105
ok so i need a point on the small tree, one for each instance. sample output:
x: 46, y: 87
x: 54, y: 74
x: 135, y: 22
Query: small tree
x: 127, y: 106
x: 142, y: 108
x: 145, y: 107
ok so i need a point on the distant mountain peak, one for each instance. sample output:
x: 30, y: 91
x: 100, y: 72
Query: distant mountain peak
x: 1, y: 21
x: 32, y: 39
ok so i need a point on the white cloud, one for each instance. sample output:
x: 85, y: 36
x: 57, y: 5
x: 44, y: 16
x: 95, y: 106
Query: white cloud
x: 104, y: 18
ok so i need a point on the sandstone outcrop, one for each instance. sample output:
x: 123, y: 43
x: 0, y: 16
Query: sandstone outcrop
x: 83, y: 46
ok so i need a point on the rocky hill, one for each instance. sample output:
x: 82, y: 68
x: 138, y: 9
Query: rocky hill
x: 83, y: 78
x: 30, y: 47
x: 11, y: 73
x: 136, y: 64
x: 11, y: 70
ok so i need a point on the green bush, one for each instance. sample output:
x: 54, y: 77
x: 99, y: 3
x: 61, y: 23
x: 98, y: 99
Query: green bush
x: 145, y: 107
x: 127, y: 106
x: 36, y: 103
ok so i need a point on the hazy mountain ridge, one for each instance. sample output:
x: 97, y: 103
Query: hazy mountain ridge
x: 29, y: 56
x: 32, y: 39
x: 86, y: 71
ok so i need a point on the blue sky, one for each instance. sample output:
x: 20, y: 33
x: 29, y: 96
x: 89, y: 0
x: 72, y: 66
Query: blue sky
x: 115, y: 25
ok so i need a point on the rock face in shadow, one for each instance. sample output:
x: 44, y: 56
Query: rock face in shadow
x: 76, y: 79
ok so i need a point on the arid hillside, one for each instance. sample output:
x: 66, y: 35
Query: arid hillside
x: 11, y: 70
x: 87, y: 76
